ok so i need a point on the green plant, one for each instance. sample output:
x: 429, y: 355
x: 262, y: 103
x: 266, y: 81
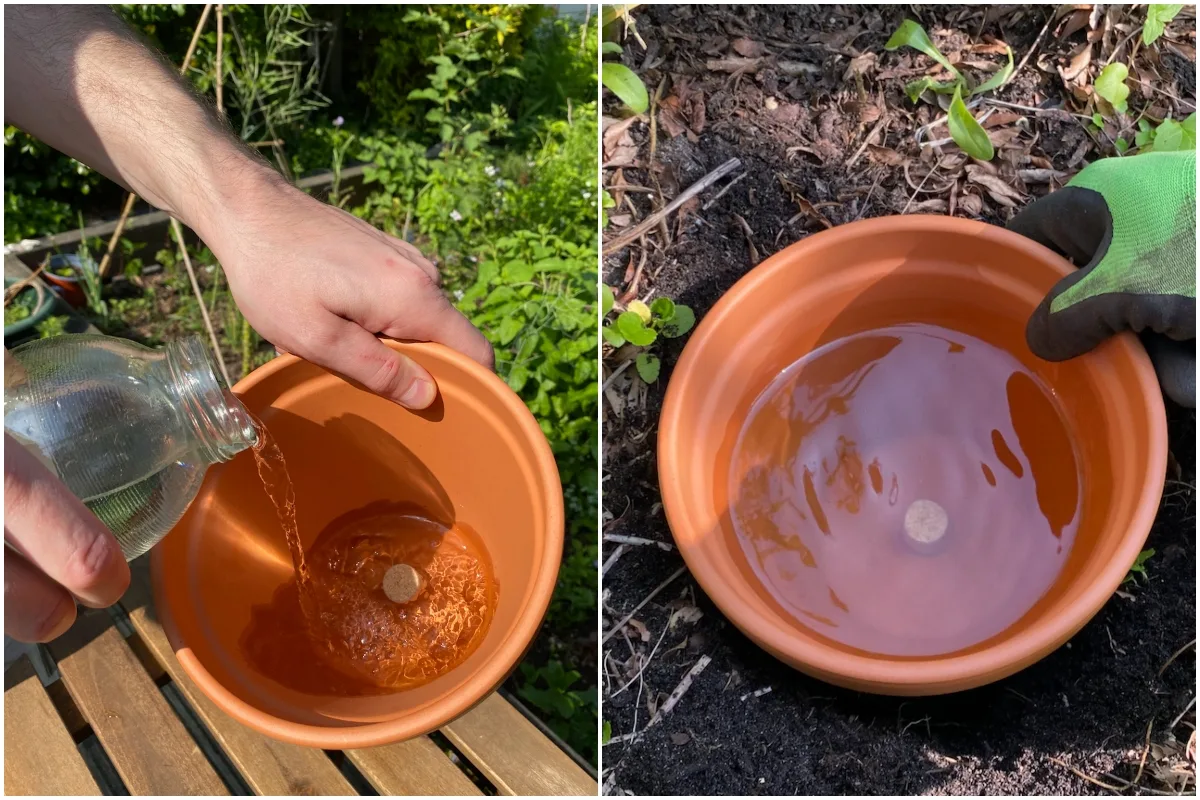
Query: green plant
x: 1167, y: 136
x: 641, y: 325
x: 1157, y: 18
x: 1110, y: 85
x: 1139, y: 567
x: 55, y: 325
x: 570, y: 712
x: 21, y: 307
x: 88, y: 272
x: 966, y: 131
x: 625, y: 84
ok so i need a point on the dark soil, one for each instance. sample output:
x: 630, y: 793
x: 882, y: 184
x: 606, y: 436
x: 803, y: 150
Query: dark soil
x: 1088, y: 704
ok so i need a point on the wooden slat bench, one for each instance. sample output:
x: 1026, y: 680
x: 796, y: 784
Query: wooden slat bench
x: 123, y: 717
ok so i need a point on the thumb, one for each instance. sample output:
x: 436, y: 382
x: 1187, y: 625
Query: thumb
x: 1079, y: 327
x: 362, y: 359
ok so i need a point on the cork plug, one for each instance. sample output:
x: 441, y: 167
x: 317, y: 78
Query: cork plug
x: 402, y: 583
x: 925, y: 523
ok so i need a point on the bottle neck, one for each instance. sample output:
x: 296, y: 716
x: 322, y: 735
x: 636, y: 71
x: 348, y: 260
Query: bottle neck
x: 220, y: 423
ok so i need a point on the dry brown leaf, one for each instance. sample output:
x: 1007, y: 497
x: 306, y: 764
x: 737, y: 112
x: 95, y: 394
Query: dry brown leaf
x: 995, y: 186
x: 748, y: 48
x: 885, y: 155
x: 992, y: 48
x: 861, y: 65
x: 935, y: 205
x: 620, y: 220
x: 1002, y: 118
x: 688, y: 615
x: 619, y: 148
x: 670, y: 119
x: 1079, y: 62
x: 1077, y: 21
x: 639, y: 629
x: 689, y: 207
x: 970, y: 204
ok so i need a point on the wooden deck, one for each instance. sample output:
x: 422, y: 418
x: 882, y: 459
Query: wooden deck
x: 124, y: 718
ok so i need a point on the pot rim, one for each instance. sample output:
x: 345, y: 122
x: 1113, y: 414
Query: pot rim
x: 883, y: 673
x: 44, y: 308
x: 480, y: 684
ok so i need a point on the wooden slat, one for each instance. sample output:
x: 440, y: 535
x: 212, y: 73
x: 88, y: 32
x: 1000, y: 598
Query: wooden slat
x: 268, y: 767
x: 148, y: 744
x: 39, y: 754
x: 514, y: 754
x: 415, y: 767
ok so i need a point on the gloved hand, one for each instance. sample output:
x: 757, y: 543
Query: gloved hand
x: 1131, y: 223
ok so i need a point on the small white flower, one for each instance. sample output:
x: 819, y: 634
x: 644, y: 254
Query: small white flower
x: 499, y: 181
x: 454, y: 215
x: 489, y: 170
x: 587, y: 195
x: 458, y: 295
x: 473, y: 259
x: 338, y: 122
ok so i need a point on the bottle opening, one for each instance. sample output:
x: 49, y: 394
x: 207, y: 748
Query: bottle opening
x: 221, y: 423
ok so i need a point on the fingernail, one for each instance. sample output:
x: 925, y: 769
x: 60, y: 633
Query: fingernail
x: 418, y: 395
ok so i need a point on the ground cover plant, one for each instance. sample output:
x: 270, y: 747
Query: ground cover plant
x: 836, y: 113
x: 474, y: 127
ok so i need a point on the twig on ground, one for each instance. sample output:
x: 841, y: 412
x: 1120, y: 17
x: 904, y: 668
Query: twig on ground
x: 645, y: 663
x: 620, y: 551
x: 1032, y: 48
x: 636, y: 540
x: 679, y: 692
x: 917, y: 191
x: 758, y: 693
x: 650, y: 222
x: 1176, y: 655
x: 620, y: 625
x: 212, y: 334
x: 1165, y: 93
x: 616, y: 373
x: 1087, y: 777
x: 1145, y: 752
x: 754, y: 257
x: 1182, y: 714
x: 721, y: 193
x: 862, y: 148
x: 106, y: 259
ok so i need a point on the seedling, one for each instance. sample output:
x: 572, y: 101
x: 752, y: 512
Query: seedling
x: 964, y: 128
x: 624, y: 82
x: 641, y: 325
x: 1110, y: 85
x: 1139, y: 567
x: 1158, y: 15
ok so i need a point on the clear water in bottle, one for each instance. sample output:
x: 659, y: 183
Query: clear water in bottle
x: 130, y: 430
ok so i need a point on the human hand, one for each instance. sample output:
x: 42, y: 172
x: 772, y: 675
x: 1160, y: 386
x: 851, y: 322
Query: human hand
x: 57, y: 548
x: 320, y: 283
x: 1131, y: 223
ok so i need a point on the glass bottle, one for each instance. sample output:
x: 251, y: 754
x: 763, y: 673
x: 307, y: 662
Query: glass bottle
x: 130, y: 430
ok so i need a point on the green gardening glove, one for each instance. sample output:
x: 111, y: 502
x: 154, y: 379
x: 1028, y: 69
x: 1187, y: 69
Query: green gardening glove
x: 1131, y: 223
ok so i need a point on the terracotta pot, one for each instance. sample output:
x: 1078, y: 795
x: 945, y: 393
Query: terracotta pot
x: 69, y: 287
x: 477, y: 454
x: 968, y: 276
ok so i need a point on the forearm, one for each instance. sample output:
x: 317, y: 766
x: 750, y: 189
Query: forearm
x: 78, y: 79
